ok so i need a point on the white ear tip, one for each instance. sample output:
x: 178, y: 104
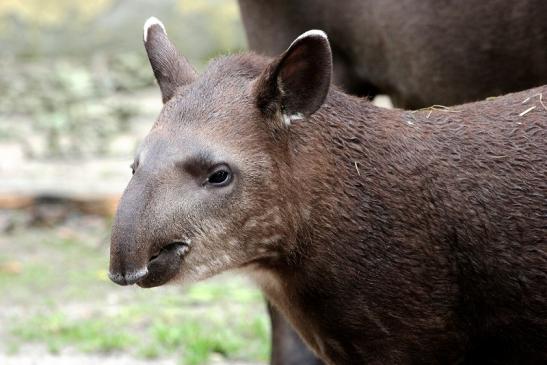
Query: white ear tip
x: 313, y: 33
x: 150, y: 22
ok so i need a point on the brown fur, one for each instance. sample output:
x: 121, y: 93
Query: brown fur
x: 384, y: 236
x: 430, y: 236
x: 419, y: 52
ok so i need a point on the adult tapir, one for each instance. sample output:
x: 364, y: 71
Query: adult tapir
x: 385, y: 236
x: 419, y: 52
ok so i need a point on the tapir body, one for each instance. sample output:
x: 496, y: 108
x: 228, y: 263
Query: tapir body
x: 420, y: 52
x: 384, y: 236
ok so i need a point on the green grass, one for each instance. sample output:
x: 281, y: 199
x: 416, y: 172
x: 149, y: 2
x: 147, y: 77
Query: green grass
x: 191, y: 336
x: 89, y: 335
x: 60, y: 281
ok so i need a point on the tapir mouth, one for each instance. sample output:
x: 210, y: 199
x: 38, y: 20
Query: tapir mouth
x: 165, y: 264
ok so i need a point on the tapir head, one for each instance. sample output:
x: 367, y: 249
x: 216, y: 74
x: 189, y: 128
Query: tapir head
x: 212, y: 187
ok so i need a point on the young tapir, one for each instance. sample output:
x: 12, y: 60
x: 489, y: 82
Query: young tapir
x: 384, y: 236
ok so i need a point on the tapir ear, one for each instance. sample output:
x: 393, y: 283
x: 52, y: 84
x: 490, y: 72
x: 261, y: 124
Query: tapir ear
x: 297, y: 82
x: 170, y: 69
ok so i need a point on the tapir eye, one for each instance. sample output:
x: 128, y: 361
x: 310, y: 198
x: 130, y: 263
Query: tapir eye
x: 221, y: 176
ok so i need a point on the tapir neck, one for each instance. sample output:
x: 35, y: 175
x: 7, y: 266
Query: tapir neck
x: 332, y: 161
x: 346, y: 163
x: 340, y: 158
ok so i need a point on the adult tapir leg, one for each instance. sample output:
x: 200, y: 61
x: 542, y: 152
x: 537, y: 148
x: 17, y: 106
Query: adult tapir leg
x: 287, y: 347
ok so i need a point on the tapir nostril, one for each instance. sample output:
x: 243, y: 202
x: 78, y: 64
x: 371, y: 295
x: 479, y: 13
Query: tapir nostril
x: 117, y: 278
x: 128, y: 278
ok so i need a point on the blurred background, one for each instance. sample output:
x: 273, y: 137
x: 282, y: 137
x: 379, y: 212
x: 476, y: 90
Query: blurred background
x: 76, y: 96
